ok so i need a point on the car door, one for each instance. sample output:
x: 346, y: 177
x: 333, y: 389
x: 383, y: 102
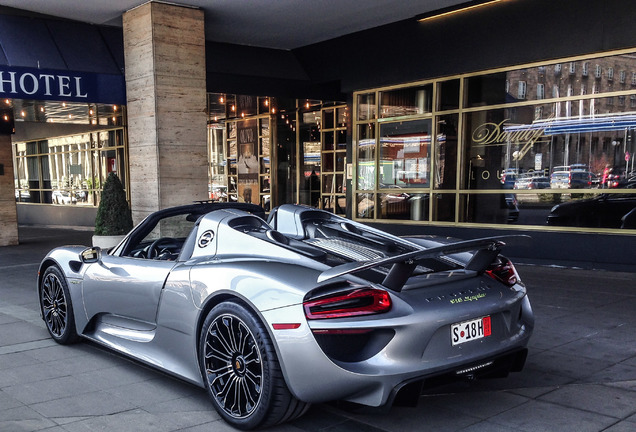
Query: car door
x: 126, y: 287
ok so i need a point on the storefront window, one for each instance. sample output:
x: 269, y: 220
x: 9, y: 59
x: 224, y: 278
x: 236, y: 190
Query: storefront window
x: 406, y: 102
x: 271, y: 151
x: 55, y: 167
x: 405, y: 154
x: 544, y: 145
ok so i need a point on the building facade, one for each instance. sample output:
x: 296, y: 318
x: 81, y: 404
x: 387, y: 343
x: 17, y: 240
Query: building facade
x: 517, y: 118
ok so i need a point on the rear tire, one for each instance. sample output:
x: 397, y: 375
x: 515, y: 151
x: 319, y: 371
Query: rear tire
x: 56, y: 307
x: 241, y: 370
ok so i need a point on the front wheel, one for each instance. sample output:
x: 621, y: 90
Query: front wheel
x: 56, y: 307
x: 241, y: 370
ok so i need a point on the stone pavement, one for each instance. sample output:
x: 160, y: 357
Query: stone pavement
x: 580, y: 375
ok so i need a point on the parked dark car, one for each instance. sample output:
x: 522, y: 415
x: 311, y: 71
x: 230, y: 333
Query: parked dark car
x: 602, y: 211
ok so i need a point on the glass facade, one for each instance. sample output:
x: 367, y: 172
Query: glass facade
x: 63, y: 152
x: 549, y: 144
x: 271, y: 151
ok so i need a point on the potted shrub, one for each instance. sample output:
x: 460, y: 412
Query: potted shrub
x: 114, y: 219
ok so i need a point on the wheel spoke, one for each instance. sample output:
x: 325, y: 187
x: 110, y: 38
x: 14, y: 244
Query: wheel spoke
x: 220, y: 338
x: 233, y: 365
x: 53, y: 303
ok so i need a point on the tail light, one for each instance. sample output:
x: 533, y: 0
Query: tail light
x: 504, y: 271
x: 357, y: 302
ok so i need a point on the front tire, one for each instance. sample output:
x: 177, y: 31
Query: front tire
x: 56, y: 307
x: 241, y: 370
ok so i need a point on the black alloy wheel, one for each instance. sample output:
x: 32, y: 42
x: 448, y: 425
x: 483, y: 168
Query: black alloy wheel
x: 241, y: 371
x: 55, y: 303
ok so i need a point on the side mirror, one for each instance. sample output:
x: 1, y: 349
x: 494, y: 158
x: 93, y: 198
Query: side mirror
x: 91, y: 255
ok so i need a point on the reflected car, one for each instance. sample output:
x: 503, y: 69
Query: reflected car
x: 63, y: 197
x: 532, y: 183
x: 571, y: 180
x: 306, y: 307
x: 602, y: 211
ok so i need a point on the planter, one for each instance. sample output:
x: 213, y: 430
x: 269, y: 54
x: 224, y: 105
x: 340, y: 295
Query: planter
x: 107, y: 242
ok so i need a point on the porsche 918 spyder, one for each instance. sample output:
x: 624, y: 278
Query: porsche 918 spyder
x: 306, y: 307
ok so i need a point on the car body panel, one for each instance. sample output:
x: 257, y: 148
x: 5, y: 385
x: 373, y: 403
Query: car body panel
x: 153, y: 309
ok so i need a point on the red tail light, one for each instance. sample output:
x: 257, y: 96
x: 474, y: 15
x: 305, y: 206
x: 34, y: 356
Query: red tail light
x: 504, y: 272
x: 364, y: 301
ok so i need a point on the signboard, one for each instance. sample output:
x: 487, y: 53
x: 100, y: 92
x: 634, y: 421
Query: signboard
x: 43, y: 84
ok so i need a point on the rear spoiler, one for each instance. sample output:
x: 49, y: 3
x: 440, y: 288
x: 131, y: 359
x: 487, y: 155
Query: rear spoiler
x: 403, y: 265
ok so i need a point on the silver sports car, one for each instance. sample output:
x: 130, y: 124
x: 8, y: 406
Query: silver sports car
x: 307, y: 307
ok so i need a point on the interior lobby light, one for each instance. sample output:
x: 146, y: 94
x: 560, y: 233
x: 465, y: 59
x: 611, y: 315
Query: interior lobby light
x: 463, y: 7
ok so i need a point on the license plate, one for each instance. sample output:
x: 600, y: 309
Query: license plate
x: 470, y: 330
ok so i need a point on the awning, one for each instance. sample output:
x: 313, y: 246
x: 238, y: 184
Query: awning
x: 48, y: 59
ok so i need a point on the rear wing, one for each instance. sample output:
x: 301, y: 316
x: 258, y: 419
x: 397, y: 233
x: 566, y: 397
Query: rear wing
x: 402, y: 266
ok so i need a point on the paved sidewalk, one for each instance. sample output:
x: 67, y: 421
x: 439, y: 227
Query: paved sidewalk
x: 580, y: 375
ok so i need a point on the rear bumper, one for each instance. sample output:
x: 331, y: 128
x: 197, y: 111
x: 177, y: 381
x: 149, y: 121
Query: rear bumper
x: 408, y: 392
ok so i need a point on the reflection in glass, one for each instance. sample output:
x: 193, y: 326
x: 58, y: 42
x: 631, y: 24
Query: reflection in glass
x: 406, y: 101
x: 365, y: 205
x: 366, y: 157
x: 443, y: 207
x: 394, y: 205
x: 405, y: 154
x: 489, y: 208
x: 446, y: 152
x: 366, y: 107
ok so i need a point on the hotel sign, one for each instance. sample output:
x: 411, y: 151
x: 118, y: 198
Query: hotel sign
x: 41, y: 84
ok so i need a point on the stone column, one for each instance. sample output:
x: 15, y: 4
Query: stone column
x: 8, y: 212
x: 164, y: 46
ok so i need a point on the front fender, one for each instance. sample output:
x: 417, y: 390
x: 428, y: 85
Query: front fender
x: 68, y: 260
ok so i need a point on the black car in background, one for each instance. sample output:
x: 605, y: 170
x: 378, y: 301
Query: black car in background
x: 602, y: 211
